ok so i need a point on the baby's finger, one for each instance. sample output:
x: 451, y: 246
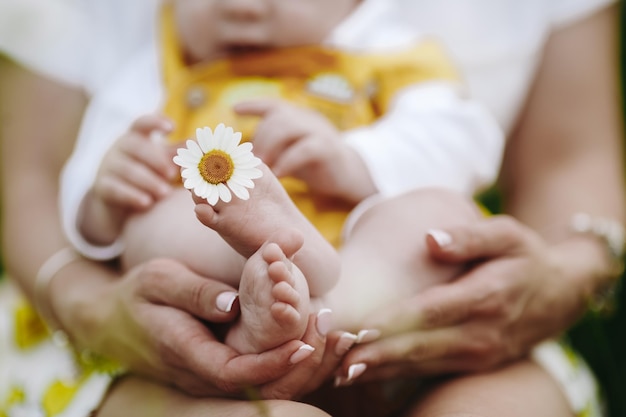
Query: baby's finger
x: 157, y: 157
x: 258, y: 107
x: 141, y: 177
x: 118, y: 193
x: 299, y: 378
x: 295, y: 157
x: 149, y: 122
x: 413, y: 347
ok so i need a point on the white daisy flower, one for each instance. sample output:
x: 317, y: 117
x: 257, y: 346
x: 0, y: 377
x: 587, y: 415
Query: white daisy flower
x: 217, y: 164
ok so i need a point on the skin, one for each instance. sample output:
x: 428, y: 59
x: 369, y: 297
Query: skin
x: 577, y: 258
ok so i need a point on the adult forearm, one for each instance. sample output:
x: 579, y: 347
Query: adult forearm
x: 566, y: 154
x: 38, y: 123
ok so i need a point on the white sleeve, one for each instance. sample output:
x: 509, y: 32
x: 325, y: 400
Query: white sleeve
x: 136, y: 90
x: 564, y: 12
x: 50, y: 37
x: 431, y: 137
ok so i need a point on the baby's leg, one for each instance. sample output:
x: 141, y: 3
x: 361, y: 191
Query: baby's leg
x: 384, y: 257
x: 517, y: 390
x: 138, y: 397
x: 246, y: 225
x: 273, y: 295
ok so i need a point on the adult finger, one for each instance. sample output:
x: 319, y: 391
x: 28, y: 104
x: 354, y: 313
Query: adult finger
x: 167, y: 282
x: 296, y: 381
x: 415, y: 348
x: 439, y: 306
x: 490, y: 237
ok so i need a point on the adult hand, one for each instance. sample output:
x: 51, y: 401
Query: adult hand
x: 311, y: 373
x: 303, y: 143
x: 153, y: 322
x: 517, y: 292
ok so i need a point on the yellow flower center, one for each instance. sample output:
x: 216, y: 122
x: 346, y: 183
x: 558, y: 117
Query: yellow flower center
x: 216, y: 167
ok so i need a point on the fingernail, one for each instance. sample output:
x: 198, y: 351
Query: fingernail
x: 167, y: 125
x: 340, y: 381
x: 345, y: 342
x: 442, y: 238
x: 369, y: 335
x: 354, y: 371
x: 324, y: 321
x: 301, y: 354
x: 225, y: 301
x: 164, y: 190
x: 157, y: 136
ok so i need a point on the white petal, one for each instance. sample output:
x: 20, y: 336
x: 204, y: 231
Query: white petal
x: 193, y: 182
x: 242, y: 149
x: 213, y: 196
x: 203, y: 189
x: 204, y: 137
x: 233, y: 143
x: 239, y: 191
x: 194, y: 148
x: 190, y: 173
x: 188, y: 154
x: 252, y: 173
x: 246, y: 165
x: 186, y: 160
x: 218, y: 136
x: 242, y: 181
x: 224, y: 192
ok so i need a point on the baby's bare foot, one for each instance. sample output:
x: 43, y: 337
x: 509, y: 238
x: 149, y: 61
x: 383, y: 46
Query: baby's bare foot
x: 247, y: 224
x: 273, y: 296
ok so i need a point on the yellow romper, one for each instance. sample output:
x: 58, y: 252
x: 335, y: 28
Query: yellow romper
x: 350, y: 89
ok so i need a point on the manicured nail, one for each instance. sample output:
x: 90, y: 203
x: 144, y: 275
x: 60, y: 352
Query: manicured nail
x: 442, y: 238
x: 345, y: 342
x: 324, y: 321
x: 301, y: 354
x: 225, y: 301
x: 354, y: 371
x: 157, y: 136
x: 167, y: 125
x: 365, y: 336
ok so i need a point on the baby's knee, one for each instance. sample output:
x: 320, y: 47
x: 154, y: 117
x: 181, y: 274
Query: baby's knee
x: 286, y: 408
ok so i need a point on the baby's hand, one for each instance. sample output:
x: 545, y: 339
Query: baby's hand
x: 137, y: 171
x: 299, y: 142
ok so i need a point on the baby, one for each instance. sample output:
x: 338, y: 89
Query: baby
x: 336, y: 134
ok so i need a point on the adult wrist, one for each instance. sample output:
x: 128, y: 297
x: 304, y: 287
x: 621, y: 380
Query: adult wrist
x: 41, y: 295
x: 610, y: 235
